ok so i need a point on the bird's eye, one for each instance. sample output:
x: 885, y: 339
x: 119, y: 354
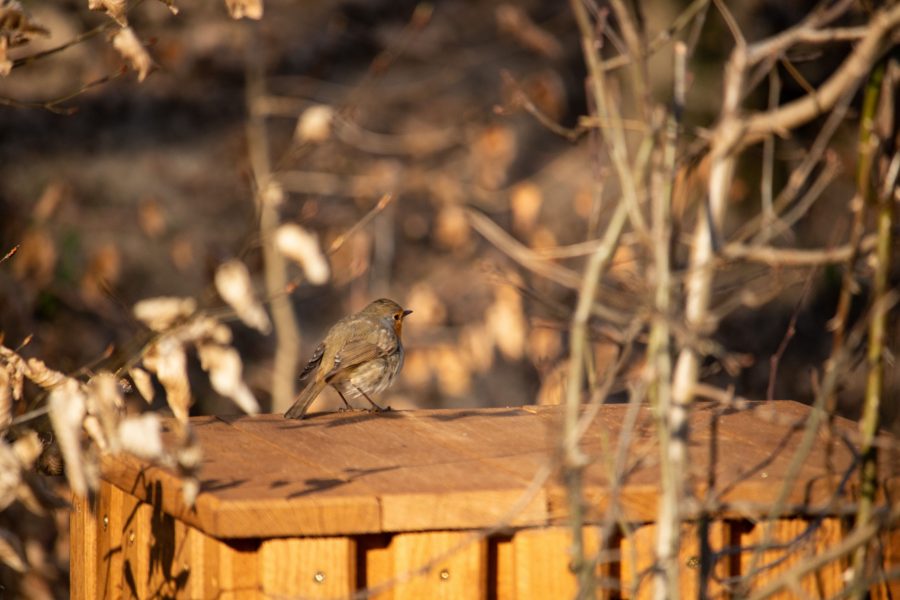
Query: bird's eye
x: 397, y: 316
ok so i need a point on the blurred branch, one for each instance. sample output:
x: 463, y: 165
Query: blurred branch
x: 663, y: 37
x: 847, y: 77
x: 53, y: 105
x: 878, y: 327
x: 607, y: 111
x: 861, y: 536
x: 269, y: 197
x: 537, y: 264
x: 574, y: 460
x: 81, y: 37
x: 328, y: 184
x: 670, y: 420
x: 792, y: 257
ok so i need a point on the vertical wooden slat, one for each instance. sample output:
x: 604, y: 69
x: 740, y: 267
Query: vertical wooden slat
x: 308, y: 567
x: 135, y: 541
x: 542, y: 562
x: 541, y: 559
x: 890, y: 547
x: 796, y: 543
x: 638, y: 552
x: 83, y: 549
x: 462, y: 574
x: 109, y: 541
x: 238, y: 569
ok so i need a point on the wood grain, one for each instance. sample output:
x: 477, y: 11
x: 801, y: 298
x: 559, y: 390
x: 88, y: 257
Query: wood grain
x: 792, y: 542
x: 83, y: 550
x: 308, y: 567
x: 353, y: 473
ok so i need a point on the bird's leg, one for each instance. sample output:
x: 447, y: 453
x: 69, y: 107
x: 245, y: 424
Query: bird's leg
x: 374, y: 406
x: 347, y: 404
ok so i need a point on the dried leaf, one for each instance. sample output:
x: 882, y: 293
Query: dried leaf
x: 106, y: 403
x: 11, y: 552
x: 203, y: 328
x: 166, y: 358
x: 42, y: 375
x: 5, y: 398
x: 16, y: 28
x: 131, y: 49
x: 53, y: 196
x: 513, y: 20
x: 526, y: 203
x: 477, y: 344
x: 95, y: 432
x: 152, y: 218
x: 10, y: 475
x: 314, y: 125
x: 6, y: 65
x: 506, y: 320
x: 102, y: 273
x: 116, y: 9
x: 143, y: 383
x: 233, y: 284
x: 170, y: 4
x: 67, y: 411
x: 301, y: 246
x: 239, y: 9
x: 454, y: 377
x: 223, y: 364
x: 142, y: 436
x: 451, y: 228
x: 189, y: 457
x: 430, y: 309
x: 28, y: 448
x: 492, y: 155
x: 161, y: 313
x: 36, y: 259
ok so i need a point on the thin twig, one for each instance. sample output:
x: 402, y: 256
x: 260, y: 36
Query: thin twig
x: 268, y: 198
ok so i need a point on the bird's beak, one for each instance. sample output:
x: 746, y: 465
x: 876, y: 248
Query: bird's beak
x: 406, y: 313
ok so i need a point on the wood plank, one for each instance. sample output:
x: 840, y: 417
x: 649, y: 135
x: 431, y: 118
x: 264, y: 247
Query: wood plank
x: 796, y: 540
x: 638, y: 555
x: 250, y: 489
x: 308, y: 567
x: 456, y: 567
x: 420, y: 484
x: 136, y: 543
x: 343, y: 474
x: 83, y: 549
x: 238, y: 576
x: 542, y: 559
x: 110, y: 518
x: 890, y: 551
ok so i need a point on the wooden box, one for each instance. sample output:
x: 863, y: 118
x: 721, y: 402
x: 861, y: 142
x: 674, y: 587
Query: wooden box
x: 469, y: 504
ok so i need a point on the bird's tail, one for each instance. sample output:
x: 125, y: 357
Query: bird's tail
x: 304, y: 399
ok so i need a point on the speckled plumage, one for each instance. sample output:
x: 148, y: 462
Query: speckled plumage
x: 360, y: 356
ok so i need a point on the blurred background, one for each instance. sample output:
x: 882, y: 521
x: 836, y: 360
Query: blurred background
x: 141, y: 189
x: 132, y: 189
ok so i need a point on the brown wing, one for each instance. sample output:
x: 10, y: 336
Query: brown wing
x: 313, y: 363
x: 367, y: 341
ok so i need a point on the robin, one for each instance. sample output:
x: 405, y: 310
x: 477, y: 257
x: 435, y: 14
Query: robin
x: 360, y: 356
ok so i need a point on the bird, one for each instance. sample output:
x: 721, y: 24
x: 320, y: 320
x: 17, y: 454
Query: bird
x: 360, y: 356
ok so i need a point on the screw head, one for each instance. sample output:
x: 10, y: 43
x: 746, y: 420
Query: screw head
x: 445, y: 574
x: 319, y: 577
